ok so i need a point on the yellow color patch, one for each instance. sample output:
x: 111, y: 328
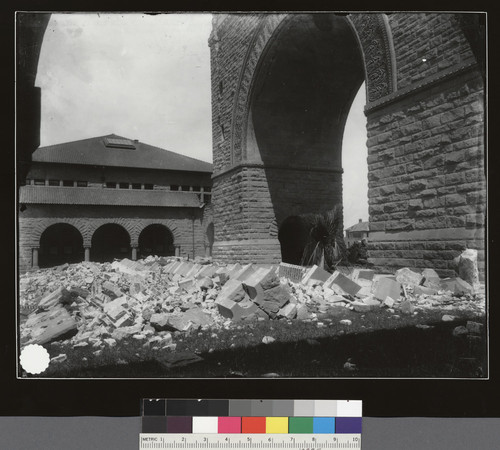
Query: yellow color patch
x: 276, y: 424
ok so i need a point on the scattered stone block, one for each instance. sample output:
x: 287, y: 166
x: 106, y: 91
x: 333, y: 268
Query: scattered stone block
x: 389, y: 302
x: 343, y: 285
x: 467, y: 267
x: 460, y: 331
x: 262, y: 279
x: 126, y: 331
x: 54, y: 326
x: 268, y: 340
x: 59, y: 358
x: 317, y: 274
x: 406, y: 307
x: 457, y: 286
x: 431, y: 278
x: 234, y: 270
x: 111, y: 289
x: 198, y: 317
x: 245, y: 272
x: 116, y: 308
x: 474, y: 327
x: 159, y: 322
x: 233, y: 290
x: 194, y: 270
x: 423, y: 290
x: 365, y: 275
x: 302, y: 312
x: 207, y: 271
x: 371, y: 301
x: 206, y: 283
x: 361, y: 306
x: 408, y: 276
x: 186, y: 284
x: 51, y: 299
x: 387, y: 288
x: 448, y: 318
x: 280, y: 295
x: 289, y: 311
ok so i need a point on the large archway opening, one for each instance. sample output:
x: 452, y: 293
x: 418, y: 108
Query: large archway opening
x: 109, y: 242
x: 60, y: 243
x: 302, y: 93
x: 156, y: 240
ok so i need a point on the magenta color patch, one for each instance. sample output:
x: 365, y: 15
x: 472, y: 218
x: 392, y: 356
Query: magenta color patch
x: 229, y: 425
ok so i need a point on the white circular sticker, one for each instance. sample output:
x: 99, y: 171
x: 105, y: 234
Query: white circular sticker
x: 34, y: 358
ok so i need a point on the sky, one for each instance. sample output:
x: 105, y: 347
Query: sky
x: 148, y: 78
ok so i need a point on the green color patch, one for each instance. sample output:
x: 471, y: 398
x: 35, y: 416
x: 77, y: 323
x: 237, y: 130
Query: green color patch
x: 300, y: 425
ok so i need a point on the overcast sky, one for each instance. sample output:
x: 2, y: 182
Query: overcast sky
x: 148, y: 78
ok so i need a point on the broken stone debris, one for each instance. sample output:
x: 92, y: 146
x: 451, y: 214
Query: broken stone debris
x: 97, y: 305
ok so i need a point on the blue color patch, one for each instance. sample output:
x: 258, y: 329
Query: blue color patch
x: 324, y: 425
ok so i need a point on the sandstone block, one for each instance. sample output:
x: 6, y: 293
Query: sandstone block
x: 245, y: 272
x: 343, y: 285
x: 288, y: 311
x: 233, y: 290
x: 408, y: 276
x: 467, y: 267
x: 116, y: 308
x: 387, y: 288
x: 52, y: 298
x: 57, y: 325
x: 316, y: 273
x: 262, y: 279
x: 457, y: 286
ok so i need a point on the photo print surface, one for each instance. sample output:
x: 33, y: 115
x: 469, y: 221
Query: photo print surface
x: 252, y: 195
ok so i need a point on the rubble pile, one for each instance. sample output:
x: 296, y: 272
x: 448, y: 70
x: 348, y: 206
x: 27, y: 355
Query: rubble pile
x: 157, y: 299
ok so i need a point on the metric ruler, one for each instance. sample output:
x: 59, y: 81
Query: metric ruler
x: 150, y: 441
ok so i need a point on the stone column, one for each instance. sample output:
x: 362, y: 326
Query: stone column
x: 87, y: 253
x: 35, y: 258
x: 177, y: 250
x: 134, y: 253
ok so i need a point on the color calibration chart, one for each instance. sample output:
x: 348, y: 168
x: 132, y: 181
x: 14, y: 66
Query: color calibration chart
x: 251, y: 424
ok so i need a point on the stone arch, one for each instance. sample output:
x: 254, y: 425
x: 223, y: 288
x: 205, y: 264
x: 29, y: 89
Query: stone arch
x: 60, y: 243
x: 155, y: 239
x: 135, y: 228
x: 110, y: 240
x: 94, y: 224
x: 38, y: 226
x: 374, y: 38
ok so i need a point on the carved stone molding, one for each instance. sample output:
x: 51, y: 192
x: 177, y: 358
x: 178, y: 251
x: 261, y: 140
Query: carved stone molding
x: 375, y: 38
x: 260, y: 38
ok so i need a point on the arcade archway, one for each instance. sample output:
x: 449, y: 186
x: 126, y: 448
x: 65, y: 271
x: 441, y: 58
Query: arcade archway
x: 110, y: 241
x: 60, y: 243
x: 156, y: 240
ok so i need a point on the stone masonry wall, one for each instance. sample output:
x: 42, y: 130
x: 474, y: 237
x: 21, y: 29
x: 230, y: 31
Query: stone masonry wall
x: 427, y: 188
x: 229, y: 43
x: 37, y: 218
x: 436, y: 38
x: 251, y: 203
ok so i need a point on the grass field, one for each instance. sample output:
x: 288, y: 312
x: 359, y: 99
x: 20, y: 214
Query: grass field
x: 376, y: 344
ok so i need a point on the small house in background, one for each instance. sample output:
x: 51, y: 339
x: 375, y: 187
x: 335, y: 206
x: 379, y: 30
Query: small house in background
x: 356, y: 233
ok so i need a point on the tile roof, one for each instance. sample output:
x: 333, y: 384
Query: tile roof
x: 360, y: 226
x: 52, y: 195
x: 94, y: 151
